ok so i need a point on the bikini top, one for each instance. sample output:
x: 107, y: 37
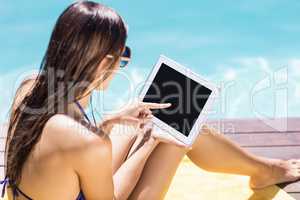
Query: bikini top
x: 17, y: 192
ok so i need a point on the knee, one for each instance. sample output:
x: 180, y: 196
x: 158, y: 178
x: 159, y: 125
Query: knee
x: 206, y: 132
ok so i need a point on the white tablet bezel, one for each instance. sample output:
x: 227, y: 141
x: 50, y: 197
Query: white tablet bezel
x: 187, y: 140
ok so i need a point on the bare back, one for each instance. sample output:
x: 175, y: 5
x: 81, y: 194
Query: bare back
x: 52, y: 170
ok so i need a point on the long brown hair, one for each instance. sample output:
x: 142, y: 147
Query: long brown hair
x: 83, y: 35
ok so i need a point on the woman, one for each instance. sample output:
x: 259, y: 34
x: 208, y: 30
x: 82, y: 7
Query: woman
x: 54, y: 151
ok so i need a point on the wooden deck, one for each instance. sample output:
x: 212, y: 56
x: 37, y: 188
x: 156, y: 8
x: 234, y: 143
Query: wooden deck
x: 252, y: 134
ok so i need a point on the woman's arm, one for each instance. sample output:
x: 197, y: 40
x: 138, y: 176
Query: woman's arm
x: 96, y: 176
x: 91, y: 158
x: 94, y: 168
x: 127, y: 176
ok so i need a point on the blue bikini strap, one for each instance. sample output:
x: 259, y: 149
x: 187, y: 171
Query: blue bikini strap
x: 4, y: 182
x: 15, y: 189
x: 83, y: 112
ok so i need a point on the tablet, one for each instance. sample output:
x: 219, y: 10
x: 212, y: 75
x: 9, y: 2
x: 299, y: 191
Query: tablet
x: 190, y: 95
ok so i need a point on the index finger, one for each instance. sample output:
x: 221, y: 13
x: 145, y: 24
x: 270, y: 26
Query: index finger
x: 150, y: 105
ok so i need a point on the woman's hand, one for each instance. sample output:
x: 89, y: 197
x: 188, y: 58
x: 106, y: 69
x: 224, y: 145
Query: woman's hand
x: 163, y: 136
x: 137, y: 115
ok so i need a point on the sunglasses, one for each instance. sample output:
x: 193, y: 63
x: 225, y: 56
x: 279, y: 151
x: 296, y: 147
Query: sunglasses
x: 125, y: 57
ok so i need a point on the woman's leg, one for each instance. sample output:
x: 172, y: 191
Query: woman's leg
x: 158, y: 172
x: 208, y: 151
x: 214, y: 152
x: 159, y: 168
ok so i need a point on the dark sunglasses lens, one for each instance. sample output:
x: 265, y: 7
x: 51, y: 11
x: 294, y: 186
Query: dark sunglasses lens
x: 127, y: 52
x: 123, y: 63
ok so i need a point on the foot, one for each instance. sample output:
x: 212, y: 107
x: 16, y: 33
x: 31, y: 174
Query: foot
x: 276, y: 171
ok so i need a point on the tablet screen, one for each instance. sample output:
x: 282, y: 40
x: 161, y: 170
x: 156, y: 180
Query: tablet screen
x: 186, y: 96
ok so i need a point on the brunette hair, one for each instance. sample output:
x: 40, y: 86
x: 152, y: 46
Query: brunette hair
x: 83, y: 35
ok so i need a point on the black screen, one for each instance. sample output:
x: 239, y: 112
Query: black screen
x: 186, y: 96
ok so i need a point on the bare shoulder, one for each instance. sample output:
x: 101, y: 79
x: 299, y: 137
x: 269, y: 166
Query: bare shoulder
x: 82, y: 149
x: 67, y: 133
x: 87, y: 154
